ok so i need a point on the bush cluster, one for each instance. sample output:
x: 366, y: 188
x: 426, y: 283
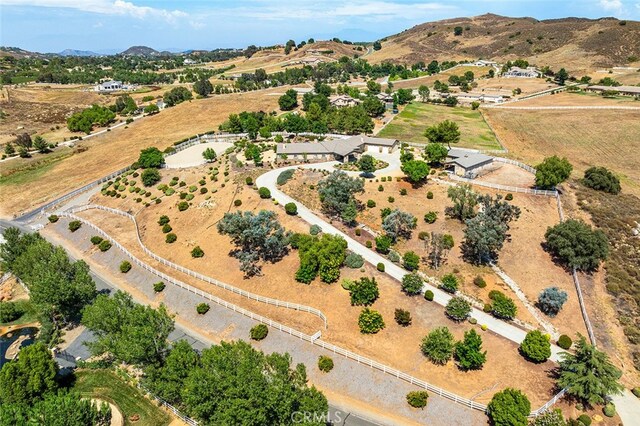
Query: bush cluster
x: 125, y: 266
x: 202, y: 308
x: 258, y: 332
x: 412, y: 284
x: 325, y: 363
x: 417, y: 399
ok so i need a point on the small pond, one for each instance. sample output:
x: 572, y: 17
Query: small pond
x: 26, y: 335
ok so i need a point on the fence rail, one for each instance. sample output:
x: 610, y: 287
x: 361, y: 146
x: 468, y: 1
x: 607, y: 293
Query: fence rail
x: 201, y: 277
x: 544, y: 192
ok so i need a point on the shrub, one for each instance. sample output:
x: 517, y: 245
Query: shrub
x: 369, y: 244
x: 636, y: 392
x: 509, y: 407
x: 166, y: 228
x: 503, y: 307
x: 417, y: 399
x: 353, y: 261
x: 158, y: 287
x: 577, y: 245
x: 584, y: 419
x: 383, y: 244
x: 371, y: 204
x: 394, y: 256
x: 380, y: 267
x: 197, y: 252
x: 536, y: 347
x: 412, y: 284
x: 74, y: 225
x: 237, y: 202
x: 325, y: 363
x: 458, y: 309
x: 249, y: 180
x: 171, y: 238
x: 125, y: 266
x: 9, y: 311
x: 315, y: 229
x: 449, y: 283
x: 403, y: 191
x: 150, y: 177
x: 104, y: 245
x: 183, y: 205
x: 609, y: 410
x: 203, y: 190
x: 96, y: 239
x: 551, y: 299
x: 380, y: 188
x: 370, y: 321
x: 411, y: 260
x: 364, y: 292
x: 258, y: 332
x: 358, y: 232
x: 437, y: 346
x: 163, y: 220
x: 601, y: 179
x: 402, y: 317
x: 53, y: 218
x: 429, y: 195
x: 479, y: 281
x: 509, y: 197
x: 202, y: 308
x: 391, y: 199
x: 565, y: 342
x: 264, y: 192
x: 291, y: 208
x: 285, y: 176
x: 468, y: 351
x: 428, y: 295
x: 431, y: 217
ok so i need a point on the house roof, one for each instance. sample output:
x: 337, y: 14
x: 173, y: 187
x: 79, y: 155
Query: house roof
x: 471, y: 160
x: 627, y: 89
x: 342, y: 147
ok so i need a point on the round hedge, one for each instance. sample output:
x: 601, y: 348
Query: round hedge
x: 259, y: 332
x: 125, y: 266
x: 325, y: 364
x: 564, y: 342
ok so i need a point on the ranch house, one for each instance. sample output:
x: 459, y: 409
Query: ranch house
x: 343, y: 150
x: 109, y: 86
x: 343, y: 101
x: 467, y: 163
x: 621, y: 90
x: 517, y: 72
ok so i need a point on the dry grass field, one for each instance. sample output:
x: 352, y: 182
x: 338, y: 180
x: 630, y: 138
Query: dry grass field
x: 607, y: 138
x: 31, y: 186
x: 196, y: 226
x: 578, y: 99
x: 410, y: 124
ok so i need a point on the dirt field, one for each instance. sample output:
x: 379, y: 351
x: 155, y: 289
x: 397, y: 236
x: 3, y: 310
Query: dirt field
x: 197, y: 226
x: 578, y: 99
x: 522, y: 258
x: 501, y: 85
x: 607, y: 138
x: 410, y: 124
x: 507, y: 174
x: 120, y: 147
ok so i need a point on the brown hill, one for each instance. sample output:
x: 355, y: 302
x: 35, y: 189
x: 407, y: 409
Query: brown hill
x: 578, y: 44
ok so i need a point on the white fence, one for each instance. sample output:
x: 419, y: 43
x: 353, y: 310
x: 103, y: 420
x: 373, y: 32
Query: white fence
x: 526, y: 167
x: 545, y: 192
x: 197, y: 275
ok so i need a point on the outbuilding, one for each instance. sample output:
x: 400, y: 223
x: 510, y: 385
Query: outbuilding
x: 467, y: 163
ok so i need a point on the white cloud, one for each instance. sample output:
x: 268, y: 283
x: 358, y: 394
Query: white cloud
x: 104, y: 7
x: 615, y: 6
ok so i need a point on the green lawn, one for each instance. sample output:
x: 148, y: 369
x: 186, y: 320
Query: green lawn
x: 410, y: 124
x: 29, y: 313
x: 106, y: 385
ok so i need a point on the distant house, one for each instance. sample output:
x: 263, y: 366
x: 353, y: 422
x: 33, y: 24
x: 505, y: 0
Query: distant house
x: 343, y: 101
x: 478, y: 97
x: 622, y: 90
x: 311, y: 61
x: 483, y: 63
x: 160, y: 104
x: 343, y: 150
x: 529, y: 72
x: 466, y: 163
x: 385, y: 97
x: 109, y: 86
x: 189, y: 61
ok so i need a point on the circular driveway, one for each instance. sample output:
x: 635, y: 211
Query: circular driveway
x: 192, y: 156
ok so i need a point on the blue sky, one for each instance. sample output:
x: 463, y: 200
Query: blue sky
x: 113, y: 25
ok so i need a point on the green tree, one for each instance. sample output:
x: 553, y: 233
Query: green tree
x: 468, y: 351
x: 151, y: 109
x: 176, y: 96
x: 423, y: 92
x: 403, y: 96
x: 151, y: 158
x: 373, y: 106
x: 399, y: 224
x: 370, y: 321
x: 446, y: 131
x: 551, y: 299
x: 465, y: 199
x: 438, y: 345
x: 373, y: 87
x: 166, y: 380
x: 411, y: 261
x: 40, y: 144
x: 509, y: 407
x: 322, y: 255
x: 562, y: 76
x: 503, y: 306
x: 577, y: 245
x: 588, y: 375
x: 364, y: 292
x: 236, y: 384
x: 203, y: 87
x: 601, y: 179
x: 416, y: 171
x: 9, y: 149
x: 435, y: 153
x: 29, y: 377
x: 289, y: 100
x: 128, y: 332
x: 536, y: 346
x: 552, y: 171
x: 337, y: 193
x: 367, y: 164
x: 412, y: 284
x: 209, y: 154
x: 150, y: 177
x: 458, y: 309
x: 255, y: 236
x: 438, y: 245
x: 457, y: 31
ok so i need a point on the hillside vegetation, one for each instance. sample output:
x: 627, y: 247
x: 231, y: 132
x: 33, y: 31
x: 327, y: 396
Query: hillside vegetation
x: 574, y: 43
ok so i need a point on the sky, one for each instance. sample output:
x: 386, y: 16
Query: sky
x: 110, y: 26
